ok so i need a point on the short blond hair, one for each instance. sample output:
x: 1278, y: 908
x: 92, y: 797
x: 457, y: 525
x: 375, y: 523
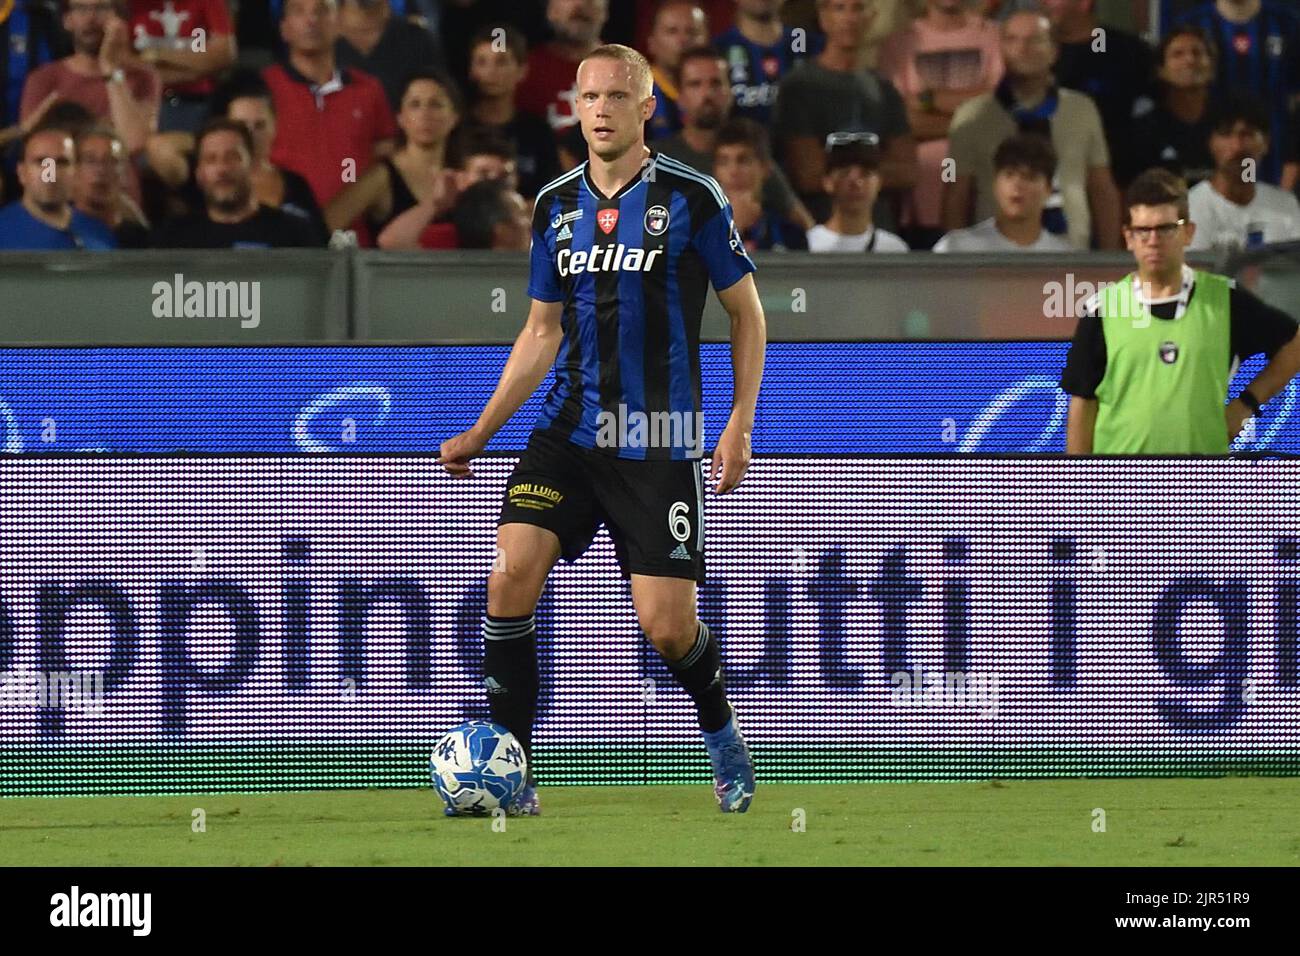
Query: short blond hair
x: 637, y: 64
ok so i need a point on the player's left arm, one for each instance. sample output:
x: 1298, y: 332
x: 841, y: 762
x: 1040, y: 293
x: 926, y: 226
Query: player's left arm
x: 730, y: 270
x: 748, y: 345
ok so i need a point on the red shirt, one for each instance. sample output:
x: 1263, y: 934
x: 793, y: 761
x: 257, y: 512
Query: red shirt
x: 551, y: 90
x: 170, y: 25
x: 319, y: 128
x: 90, y: 91
x: 440, y: 235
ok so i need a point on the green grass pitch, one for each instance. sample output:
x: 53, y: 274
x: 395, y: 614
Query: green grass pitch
x: 1151, y: 822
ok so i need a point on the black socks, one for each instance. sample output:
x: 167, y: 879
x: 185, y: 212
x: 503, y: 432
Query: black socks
x: 510, y: 674
x: 700, y: 674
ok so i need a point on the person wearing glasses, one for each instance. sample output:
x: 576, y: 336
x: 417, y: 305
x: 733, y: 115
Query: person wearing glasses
x: 852, y: 181
x: 44, y: 219
x: 1231, y: 209
x: 99, y: 188
x: 1154, y: 353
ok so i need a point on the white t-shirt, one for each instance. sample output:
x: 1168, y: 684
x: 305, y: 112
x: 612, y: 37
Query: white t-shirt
x: 821, y: 239
x: 985, y: 237
x: 1272, y: 216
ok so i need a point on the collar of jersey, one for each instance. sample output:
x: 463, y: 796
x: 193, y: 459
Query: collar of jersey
x: 332, y: 85
x: 626, y: 188
x: 1182, y: 297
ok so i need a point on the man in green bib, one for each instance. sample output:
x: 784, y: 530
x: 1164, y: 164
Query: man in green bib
x: 1153, y: 354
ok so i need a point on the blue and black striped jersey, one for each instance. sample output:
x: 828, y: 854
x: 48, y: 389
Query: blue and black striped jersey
x: 633, y: 271
x: 1261, y: 57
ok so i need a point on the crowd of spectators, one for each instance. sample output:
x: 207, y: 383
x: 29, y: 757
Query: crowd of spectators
x: 833, y: 126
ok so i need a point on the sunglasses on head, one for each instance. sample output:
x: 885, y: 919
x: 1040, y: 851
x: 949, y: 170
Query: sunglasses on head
x: 846, y: 138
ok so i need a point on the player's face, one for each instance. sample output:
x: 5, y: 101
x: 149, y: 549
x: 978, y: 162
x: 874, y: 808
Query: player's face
x: 1154, y: 252
x: 495, y: 74
x: 255, y: 113
x: 1027, y: 46
x: 676, y: 29
x: 1187, y: 63
x: 1021, y: 193
x: 222, y: 171
x: 310, y: 26
x: 427, y: 116
x: 1231, y: 148
x: 738, y: 170
x: 704, y: 95
x: 47, y: 169
x: 611, y: 109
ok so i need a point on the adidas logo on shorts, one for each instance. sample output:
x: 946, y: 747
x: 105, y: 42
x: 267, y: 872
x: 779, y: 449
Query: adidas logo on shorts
x: 681, y: 552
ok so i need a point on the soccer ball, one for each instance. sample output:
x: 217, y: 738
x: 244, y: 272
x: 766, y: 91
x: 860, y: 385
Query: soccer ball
x: 478, y: 767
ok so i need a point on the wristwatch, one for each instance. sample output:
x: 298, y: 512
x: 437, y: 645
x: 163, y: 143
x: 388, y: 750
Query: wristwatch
x: 117, y: 76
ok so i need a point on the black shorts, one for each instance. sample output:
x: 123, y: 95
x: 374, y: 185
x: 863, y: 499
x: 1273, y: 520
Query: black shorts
x: 653, y: 509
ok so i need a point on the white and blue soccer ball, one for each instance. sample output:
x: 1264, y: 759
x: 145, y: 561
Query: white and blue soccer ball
x: 478, y: 767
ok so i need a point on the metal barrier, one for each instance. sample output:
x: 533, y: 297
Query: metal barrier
x: 305, y: 296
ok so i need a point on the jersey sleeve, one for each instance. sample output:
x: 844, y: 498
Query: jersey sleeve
x: 1085, y: 364
x: 720, y: 245
x: 543, y: 277
x: 1256, y: 325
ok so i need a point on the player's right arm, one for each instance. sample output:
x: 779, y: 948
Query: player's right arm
x: 531, y: 357
x: 1085, y: 364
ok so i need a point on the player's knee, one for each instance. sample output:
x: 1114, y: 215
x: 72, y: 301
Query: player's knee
x: 512, y: 591
x: 671, y: 633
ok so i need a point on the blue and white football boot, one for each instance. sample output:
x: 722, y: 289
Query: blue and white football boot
x: 733, y: 770
x: 526, y: 804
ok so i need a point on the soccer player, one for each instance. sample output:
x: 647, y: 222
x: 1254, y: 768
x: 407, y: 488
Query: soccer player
x: 624, y: 249
x: 1153, y: 354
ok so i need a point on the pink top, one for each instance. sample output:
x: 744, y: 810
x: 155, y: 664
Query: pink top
x: 921, y: 57
x: 918, y: 58
x: 90, y: 91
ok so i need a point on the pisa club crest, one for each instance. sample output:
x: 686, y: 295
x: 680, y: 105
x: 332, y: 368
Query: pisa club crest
x: 656, y: 220
x: 607, y: 219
